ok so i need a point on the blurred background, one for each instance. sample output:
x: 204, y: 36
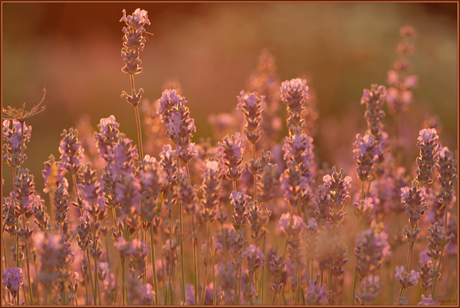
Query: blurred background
x: 73, y: 49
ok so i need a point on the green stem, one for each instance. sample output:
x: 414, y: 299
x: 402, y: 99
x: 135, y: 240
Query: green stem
x: 255, y: 174
x: 213, y: 265
x: 181, y: 254
x: 442, y: 253
x: 28, y: 270
x: 401, y: 291
x: 170, y: 259
x: 263, y: 274
x: 86, y: 285
x: 139, y: 132
x: 123, y: 282
x: 152, y: 249
x: 205, y: 274
x: 91, y: 275
x: 23, y: 294
x: 163, y: 273
x: 5, y: 255
x: 278, y: 278
x: 330, y: 287
x: 195, y: 257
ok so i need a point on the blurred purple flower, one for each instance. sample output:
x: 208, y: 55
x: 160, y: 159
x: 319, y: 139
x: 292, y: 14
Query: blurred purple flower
x: 12, y: 279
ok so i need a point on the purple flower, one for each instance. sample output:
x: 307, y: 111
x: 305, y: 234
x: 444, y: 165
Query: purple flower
x: 12, y: 279
x: 12, y: 141
x: 288, y: 225
x: 294, y: 95
x: 240, y: 214
x: 370, y: 289
x: 428, y: 301
x: 364, y: 209
x: 374, y: 99
x: 415, y: 200
x: 294, y: 91
x: 107, y: 137
x: 190, y: 294
x: 252, y: 106
x: 133, y: 43
x: 230, y: 153
x: 427, y: 135
x: 71, y: 151
x: 298, y: 149
x: 138, y: 19
x: 332, y: 197
x: 366, y: 155
x: 211, y: 190
x: 406, y: 279
x: 53, y: 174
x: 169, y: 99
x: 446, y: 165
x: 124, y: 155
x: 372, y: 250
x: 316, y: 295
x: 91, y: 190
x: 399, y: 272
x: 254, y: 256
x: 24, y: 191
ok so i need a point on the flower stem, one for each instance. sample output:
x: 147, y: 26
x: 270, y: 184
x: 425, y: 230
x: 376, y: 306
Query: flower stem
x: 139, y: 132
x: 28, y: 268
x: 152, y: 249
x: 442, y: 253
x: 182, y: 254
x: 195, y: 261
x: 263, y: 274
x: 91, y: 275
x: 123, y: 282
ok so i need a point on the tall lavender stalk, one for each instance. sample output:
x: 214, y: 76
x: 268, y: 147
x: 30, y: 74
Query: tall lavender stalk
x: 447, y: 175
x: 133, y: 43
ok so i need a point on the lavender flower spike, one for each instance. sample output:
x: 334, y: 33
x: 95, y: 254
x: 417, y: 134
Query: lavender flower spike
x: 447, y: 174
x: 12, y: 279
x: 71, y: 151
x: 294, y: 95
x: 230, y: 153
x: 252, y: 106
x: 427, y: 159
x: 374, y: 99
x: 366, y: 155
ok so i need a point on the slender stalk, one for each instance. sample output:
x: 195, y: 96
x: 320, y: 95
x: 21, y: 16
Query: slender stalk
x: 28, y: 269
x: 17, y: 243
x: 170, y: 250
x: 96, y: 279
x: 442, y: 253
x: 330, y: 287
x: 86, y: 285
x: 139, y: 132
x: 263, y: 274
x: 152, y: 249
x: 321, y: 272
x: 359, y: 230
x: 163, y: 273
x: 123, y: 282
x: 205, y: 274
x: 255, y: 174
x: 4, y: 253
x: 213, y: 265
x: 278, y: 279
x: 91, y: 275
x: 195, y: 257
x: 23, y: 294
x: 182, y: 254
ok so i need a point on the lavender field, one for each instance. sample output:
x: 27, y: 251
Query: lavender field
x: 245, y: 154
